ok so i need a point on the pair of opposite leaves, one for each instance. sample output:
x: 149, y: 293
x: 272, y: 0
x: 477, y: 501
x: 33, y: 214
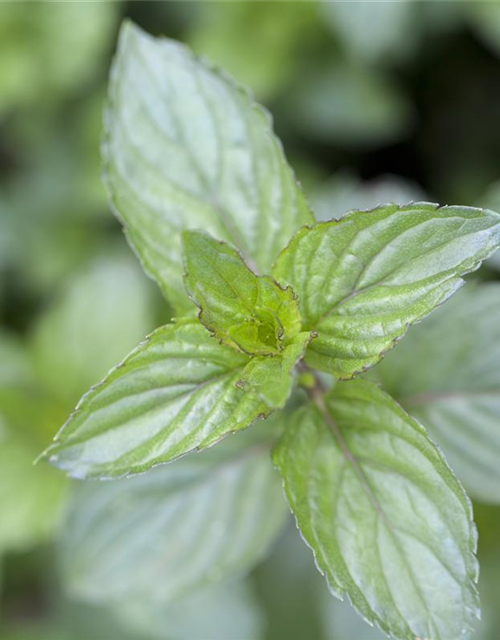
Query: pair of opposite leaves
x: 356, y: 285
x: 359, y: 283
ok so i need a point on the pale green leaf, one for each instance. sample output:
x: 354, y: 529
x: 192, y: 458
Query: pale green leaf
x: 31, y: 498
x: 160, y: 535
x: 349, y: 105
x: 374, y: 32
x: 226, y: 611
x: 289, y: 584
x: 362, y: 280
x: 447, y: 374
x: 484, y: 18
x: 185, y: 147
x: 252, y: 313
x: 345, y: 191
x: 218, y: 29
x: 93, y: 322
x: 66, y: 40
x: 176, y: 392
x: 491, y: 200
x: 341, y: 622
x: 389, y: 524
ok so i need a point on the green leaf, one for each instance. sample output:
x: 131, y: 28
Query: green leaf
x: 176, y: 392
x: 340, y: 620
x: 362, y: 280
x: 221, y: 612
x: 374, y: 32
x: 186, y: 147
x: 162, y: 534
x: 32, y: 499
x: 93, y: 322
x: 267, y: 67
x: 289, y: 582
x: 446, y: 373
x: 68, y: 39
x: 484, y: 19
x: 345, y: 191
x: 253, y: 314
x: 349, y: 105
x: 389, y: 524
x: 490, y: 199
x: 272, y: 377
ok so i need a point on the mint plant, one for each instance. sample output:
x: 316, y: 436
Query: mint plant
x: 277, y: 318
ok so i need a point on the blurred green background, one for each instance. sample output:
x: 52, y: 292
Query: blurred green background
x: 373, y: 101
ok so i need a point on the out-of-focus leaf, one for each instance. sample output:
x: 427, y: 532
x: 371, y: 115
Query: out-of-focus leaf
x: 489, y: 625
x: 362, y: 280
x: 31, y: 498
x: 341, y: 622
x: 178, y: 391
x: 446, y: 372
x: 226, y: 611
x: 160, y: 535
x: 491, y: 200
x: 185, y: 147
x: 249, y: 312
x: 374, y: 32
x: 14, y: 362
x: 49, y: 211
x: 265, y: 62
x: 100, y: 315
x: 441, y: 18
x: 288, y: 582
x: 484, y: 17
x: 389, y: 524
x: 50, y: 49
x: 33, y: 631
x: 345, y: 192
x: 350, y: 106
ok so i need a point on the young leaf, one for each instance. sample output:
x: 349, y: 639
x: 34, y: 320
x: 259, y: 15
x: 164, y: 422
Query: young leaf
x: 186, y: 147
x: 362, y: 280
x: 446, y: 373
x: 176, y: 392
x: 251, y: 313
x: 272, y: 377
x: 208, y: 517
x: 389, y: 524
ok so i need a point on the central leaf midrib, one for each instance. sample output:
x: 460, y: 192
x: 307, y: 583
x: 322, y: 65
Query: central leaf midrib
x: 318, y: 398
x: 233, y: 233
x: 382, y: 282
